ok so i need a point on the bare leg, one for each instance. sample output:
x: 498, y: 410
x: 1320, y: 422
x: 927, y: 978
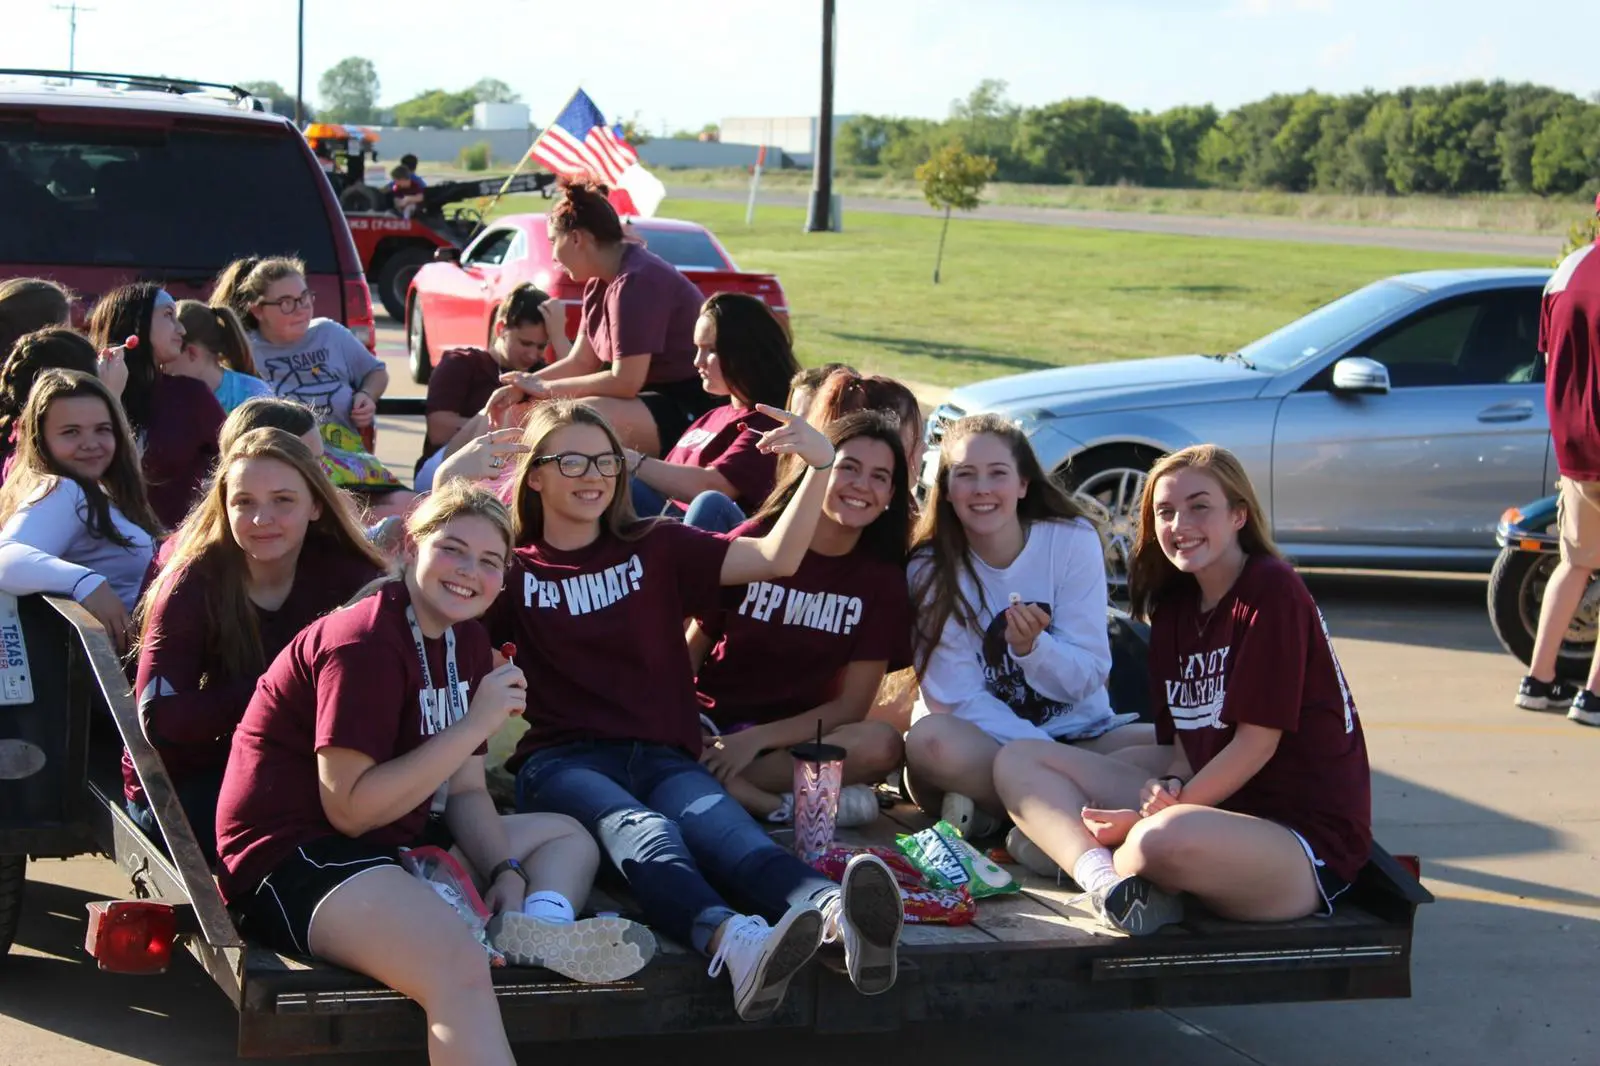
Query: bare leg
x: 949, y: 754
x: 556, y: 852
x: 896, y: 697
x: 1045, y: 785
x: 874, y: 749
x: 1561, y: 598
x: 1243, y: 868
x: 633, y: 423
x: 390, y: 926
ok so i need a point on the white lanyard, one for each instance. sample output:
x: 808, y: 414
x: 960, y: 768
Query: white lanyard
x: 434, y: 719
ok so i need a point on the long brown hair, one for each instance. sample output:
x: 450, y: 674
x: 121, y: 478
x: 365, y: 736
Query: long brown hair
x: 889, y: 534
x: 243, y: 282
x: 121, y: 313
x: 122, y: 486
x: 753, y: 347
x: 1151, y: 576
x: 527, y: 509
x: 218, y: 330
x: 942, y: 540
x: 205, y: 545
x: 28, y: 304
x: 52, y: 348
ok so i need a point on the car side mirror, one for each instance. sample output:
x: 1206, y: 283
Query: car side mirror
x: 447, y: 255
x: 1359, y: 375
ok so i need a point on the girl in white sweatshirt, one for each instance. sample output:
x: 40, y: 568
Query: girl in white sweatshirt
x: 1010, y: 642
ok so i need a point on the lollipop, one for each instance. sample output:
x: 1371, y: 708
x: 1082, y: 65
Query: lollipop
x: 132, y: 342
x: 1015, y: 599
x: 508, y: 650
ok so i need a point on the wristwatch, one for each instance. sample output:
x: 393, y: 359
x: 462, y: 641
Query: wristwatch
x: 1171, y: 777
x: 510, y: 864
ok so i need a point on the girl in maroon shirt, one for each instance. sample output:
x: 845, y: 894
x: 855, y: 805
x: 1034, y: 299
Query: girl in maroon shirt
x: 742, y: 352
x: 596, y: 601
x: 1264, y: 810
x: 830, y: 631
x: 370, y: 718
x: 176, y: 420
x: 634, y: 356
x: 270, y: 548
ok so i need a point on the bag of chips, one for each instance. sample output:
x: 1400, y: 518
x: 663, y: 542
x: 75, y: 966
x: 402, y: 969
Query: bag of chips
x: 922, y: 903
x: 444, y: 875
x: 947, y: 861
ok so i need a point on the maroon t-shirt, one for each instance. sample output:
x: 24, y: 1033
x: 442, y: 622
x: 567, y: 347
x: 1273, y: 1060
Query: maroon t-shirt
x: 715, y: 441
x: 461, y: 384
x: 1569, y: 336
x: 188, y: 702
x: 349, y: 680
x: 600, y: 633
x: 180, y: 445
x: 1263, y: 657
x: 781, y: 646
x: 649, y: 308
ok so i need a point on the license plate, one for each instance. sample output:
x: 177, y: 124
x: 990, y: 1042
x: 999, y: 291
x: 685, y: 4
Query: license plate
x: 16, y: 679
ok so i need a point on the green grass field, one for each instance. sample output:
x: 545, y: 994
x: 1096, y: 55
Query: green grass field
x: 1017, y: 297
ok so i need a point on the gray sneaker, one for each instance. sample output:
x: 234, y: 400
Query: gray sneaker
x: 591, y: 951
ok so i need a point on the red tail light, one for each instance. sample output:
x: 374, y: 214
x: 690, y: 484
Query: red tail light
x: 1412, y: 865
x: 131, y: 937
x: 358, y: 311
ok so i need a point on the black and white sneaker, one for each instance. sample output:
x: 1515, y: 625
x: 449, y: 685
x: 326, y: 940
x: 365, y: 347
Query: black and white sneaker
x: 1137, y: 907
x: 1535, y: 695
x: 1585, y: 708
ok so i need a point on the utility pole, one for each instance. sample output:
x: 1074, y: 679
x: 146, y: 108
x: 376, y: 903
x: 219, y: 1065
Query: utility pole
x: 72, y: 10
x: 818, y: 219
x: 300, y: 68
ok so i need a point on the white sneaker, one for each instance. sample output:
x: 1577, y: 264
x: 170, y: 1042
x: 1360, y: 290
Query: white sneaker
x: 858, y: 806
x: 974, y: 822
x: 592, y: 951
x: 760, y: 959
x: 1137, y: 907
x: 1031, y: 856
x: 867, y: 915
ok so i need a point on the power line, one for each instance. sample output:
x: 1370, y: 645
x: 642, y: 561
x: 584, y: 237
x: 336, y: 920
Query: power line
x: 72, y: 10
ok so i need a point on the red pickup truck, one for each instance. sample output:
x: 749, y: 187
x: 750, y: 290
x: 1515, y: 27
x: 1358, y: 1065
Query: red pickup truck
x: 451, y: 300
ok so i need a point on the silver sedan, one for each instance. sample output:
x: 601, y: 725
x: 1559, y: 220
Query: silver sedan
x: 1387, y: 429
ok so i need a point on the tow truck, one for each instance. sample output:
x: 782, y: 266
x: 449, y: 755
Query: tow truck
x: 392, y: 246
x: 66, y: 711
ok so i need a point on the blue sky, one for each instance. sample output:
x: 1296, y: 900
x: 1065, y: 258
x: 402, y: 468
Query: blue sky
x: 680, y: 63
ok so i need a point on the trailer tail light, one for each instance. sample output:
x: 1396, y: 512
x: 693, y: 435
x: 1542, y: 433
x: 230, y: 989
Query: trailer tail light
x: 358, y: 311
x: 129, y: 936
x: 1412, y: 864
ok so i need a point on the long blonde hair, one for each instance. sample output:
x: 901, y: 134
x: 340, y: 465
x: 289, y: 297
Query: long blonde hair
x: 1152, y: 578
x: 942, y: 540
x: 205, y: 543
x: 527, y: 509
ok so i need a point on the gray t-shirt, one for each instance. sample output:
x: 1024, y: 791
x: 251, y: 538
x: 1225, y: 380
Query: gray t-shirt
x: 323, y: 371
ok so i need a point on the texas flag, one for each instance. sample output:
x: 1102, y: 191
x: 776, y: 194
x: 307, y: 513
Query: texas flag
x: 579, y: 144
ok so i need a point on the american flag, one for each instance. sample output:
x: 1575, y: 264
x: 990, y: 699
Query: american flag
x: 579, y: 143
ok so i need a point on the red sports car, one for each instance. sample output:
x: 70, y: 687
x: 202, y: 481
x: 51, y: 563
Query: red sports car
x: 452, y: 300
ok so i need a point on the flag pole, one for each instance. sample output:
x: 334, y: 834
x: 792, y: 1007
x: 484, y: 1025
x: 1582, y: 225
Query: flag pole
x: 484, y: 214
x: 755, y: 184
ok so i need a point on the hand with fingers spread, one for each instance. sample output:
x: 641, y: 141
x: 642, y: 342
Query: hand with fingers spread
x: 1024, y: 623
x: 795, y: 436
x: 1109, y: 827
x: 485, y: 457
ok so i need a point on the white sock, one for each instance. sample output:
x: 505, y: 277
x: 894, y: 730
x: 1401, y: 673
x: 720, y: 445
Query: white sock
x: 549, y: 907
x: 1094, y: 872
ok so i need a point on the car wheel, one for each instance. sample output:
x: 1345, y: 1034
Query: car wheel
x: 1108, y: 486
x: 394, y: 278
x: 1516, y: 593
x: 417, y: 345
x: 361, y: 198
x: 13, y: 877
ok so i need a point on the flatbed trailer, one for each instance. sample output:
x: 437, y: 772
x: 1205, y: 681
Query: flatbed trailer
x: 1032, y: 953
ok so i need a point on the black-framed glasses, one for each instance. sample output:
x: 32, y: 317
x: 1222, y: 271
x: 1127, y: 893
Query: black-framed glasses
x: 289, y: 304
x: 576, y: 464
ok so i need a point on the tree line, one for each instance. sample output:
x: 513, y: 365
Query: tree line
x: 349, y: 93
x: 1472, y: 137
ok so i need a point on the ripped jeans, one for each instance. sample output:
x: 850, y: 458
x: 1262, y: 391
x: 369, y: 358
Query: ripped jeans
x: 673, y: 832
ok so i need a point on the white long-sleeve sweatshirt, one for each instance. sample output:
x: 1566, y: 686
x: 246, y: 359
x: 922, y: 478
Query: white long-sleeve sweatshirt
x: 1057, y: 691
x: 47, y: 547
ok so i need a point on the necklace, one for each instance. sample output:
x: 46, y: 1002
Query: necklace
x: 1202, y: 620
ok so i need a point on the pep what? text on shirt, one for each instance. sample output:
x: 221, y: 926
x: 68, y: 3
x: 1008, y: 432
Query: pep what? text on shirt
x: 584, y: 593
x: 827, y: 611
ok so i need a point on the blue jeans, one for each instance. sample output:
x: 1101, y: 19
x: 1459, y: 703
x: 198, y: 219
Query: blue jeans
x: 713, y: 512
x: 647, y: 502
x: 662, y: 819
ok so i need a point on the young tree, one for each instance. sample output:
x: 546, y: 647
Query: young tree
x: 953, y: 178
x: 349, y: 91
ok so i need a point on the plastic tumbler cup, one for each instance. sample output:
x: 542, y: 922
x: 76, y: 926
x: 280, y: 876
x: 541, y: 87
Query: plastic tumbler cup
x: 818, y: 769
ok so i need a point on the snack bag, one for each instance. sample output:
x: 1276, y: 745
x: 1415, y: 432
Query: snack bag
x: 446, y: 877
x: 922, y: 904
x: 948, y: 861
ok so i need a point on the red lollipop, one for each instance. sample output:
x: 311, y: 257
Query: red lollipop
x: 508, y: 650
x: 132, y: 342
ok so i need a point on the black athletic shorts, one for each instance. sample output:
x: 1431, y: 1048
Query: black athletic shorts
x: 674, y: 405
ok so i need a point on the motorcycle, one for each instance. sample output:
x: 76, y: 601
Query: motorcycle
x: 1530, y: 547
